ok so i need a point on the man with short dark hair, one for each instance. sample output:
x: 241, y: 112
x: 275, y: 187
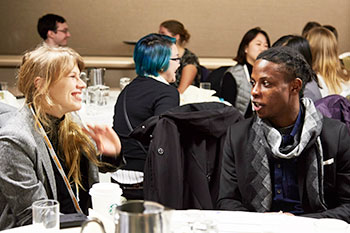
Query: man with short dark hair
x: 54, y: 30
x: 287, y: 157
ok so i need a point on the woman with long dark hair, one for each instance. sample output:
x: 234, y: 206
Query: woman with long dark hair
x: 236, y: 86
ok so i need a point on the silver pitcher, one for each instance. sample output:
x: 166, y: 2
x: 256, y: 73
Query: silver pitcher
x: 138, y: 216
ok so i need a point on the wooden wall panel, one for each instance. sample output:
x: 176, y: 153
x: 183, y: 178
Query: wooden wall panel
x: 99, y: 27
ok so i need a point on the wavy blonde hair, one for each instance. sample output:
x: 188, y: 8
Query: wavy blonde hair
x: 53, y: 64
x: 325, y: 61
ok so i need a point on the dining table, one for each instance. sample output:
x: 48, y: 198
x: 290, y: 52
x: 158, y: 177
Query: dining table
x: 182, y: 221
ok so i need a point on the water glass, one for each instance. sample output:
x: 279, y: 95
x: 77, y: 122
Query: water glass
x: 46, y: 215
x: 97, y: 95
x: 103, y: 95
x: 205, y: 85
x: 3, y: 86
x: 124, y: 82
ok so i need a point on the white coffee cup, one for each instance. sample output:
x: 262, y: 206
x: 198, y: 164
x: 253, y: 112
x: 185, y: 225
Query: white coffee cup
x: 104, y: 197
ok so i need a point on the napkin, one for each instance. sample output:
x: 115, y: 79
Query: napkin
x: 194, y: 94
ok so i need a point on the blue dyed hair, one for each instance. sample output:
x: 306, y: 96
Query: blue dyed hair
x: 152, y: 54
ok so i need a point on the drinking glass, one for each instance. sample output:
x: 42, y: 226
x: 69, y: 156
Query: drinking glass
x: 124, y: 82
x: 46, y: 215
x: 3, y: 86
x: 205, y: 85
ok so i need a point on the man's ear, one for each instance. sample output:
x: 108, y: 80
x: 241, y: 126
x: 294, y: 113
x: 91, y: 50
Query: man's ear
x: 50, y: 34
x: 297, y: 83
x: 38, y: 82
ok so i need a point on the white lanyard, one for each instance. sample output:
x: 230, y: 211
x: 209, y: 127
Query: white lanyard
x: 58, y: 164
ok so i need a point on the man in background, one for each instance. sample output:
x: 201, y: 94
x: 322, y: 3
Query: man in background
x: 54, y: 30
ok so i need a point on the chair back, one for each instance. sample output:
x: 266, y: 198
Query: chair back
x: 345, y: 59
x: 204, y: 74
x: 183, y: 164
x: 335, y: 107
x: 215, y: 78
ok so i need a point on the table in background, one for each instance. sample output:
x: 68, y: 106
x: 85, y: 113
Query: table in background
x: 103, y: 115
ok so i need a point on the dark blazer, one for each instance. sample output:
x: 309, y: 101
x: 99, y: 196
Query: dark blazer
x: 182, y: 168
x: 236, y: 186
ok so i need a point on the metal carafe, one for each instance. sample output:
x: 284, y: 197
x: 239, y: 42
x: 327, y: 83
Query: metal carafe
x: 138, y: 216
x: 96, y: 76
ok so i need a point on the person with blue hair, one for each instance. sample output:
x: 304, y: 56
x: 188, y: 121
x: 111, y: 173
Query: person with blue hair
x: 149, y: 94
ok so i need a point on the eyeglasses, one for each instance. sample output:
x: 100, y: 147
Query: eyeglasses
x: 65, y: 31
x: 175, y: 59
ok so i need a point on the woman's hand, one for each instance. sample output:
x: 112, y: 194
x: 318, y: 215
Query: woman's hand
x: 106, y: 139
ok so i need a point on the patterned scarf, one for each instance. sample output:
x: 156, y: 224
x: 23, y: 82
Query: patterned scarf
x: 266, y: 139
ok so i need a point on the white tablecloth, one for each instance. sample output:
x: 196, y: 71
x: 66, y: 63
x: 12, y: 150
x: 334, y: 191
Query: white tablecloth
x: 227, y: 221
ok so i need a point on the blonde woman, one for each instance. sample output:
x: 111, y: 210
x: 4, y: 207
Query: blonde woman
x: 44, y: 151
x: 332, y: 78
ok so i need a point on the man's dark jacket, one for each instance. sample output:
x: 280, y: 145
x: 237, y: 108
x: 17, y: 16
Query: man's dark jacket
x: 236, y: 186
x: 183, y: 163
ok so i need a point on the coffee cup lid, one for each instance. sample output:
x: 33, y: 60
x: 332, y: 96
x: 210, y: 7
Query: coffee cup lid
x: 105, y: 189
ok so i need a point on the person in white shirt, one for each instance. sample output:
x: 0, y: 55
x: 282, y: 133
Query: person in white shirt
x: 54, y: 30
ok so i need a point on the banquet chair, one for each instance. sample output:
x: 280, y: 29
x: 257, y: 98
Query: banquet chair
x: 183, y: 163
x: 204, y: 74
x: 215, y: 78
x: 336, y: 107
x: 345, y: 59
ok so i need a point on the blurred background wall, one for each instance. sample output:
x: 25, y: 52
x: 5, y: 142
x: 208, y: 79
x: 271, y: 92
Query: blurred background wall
x: 99, y: 27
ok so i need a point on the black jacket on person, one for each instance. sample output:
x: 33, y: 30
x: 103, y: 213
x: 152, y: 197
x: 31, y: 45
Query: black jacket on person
x: 144, y: 97
x: 237, y: 190
x: 183, y: 164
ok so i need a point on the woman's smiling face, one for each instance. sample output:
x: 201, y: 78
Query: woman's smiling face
x: 66, y: 93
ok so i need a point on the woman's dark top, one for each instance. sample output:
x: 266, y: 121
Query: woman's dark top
x: 188, y: 58
x: 63, y: 197
x: 145, y: 97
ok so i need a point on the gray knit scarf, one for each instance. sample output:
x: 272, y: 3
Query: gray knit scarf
x: 267, y: 140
